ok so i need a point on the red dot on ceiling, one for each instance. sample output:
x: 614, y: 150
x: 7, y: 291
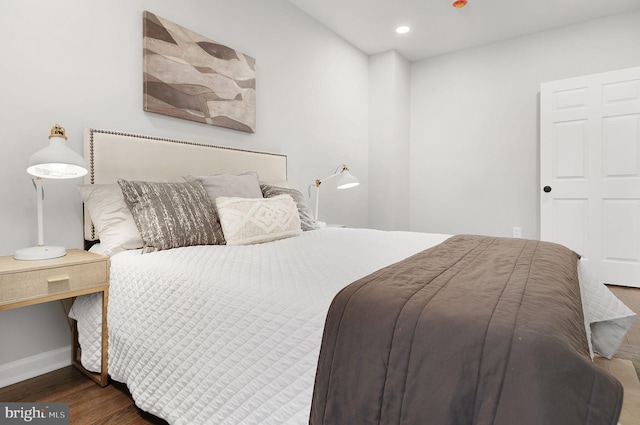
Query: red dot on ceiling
x: 459, y: 3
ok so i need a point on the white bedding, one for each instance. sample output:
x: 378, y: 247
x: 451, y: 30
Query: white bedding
x: 185, y: 323
x: 231, y: 334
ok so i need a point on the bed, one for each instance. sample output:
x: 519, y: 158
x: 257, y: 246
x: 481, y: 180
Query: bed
x: 232, y: 334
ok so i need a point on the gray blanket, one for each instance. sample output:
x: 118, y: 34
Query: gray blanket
x: 476, y: 330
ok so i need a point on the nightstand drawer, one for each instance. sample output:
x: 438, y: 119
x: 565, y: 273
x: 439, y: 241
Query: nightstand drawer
x: 43, y: 282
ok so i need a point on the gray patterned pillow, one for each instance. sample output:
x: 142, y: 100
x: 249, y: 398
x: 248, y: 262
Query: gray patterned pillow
x: 307, y: 222
x: 171, y: 215
x: 231, y: 185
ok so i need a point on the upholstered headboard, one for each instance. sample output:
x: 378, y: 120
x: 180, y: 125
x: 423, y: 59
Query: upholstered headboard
x: 112, y: 155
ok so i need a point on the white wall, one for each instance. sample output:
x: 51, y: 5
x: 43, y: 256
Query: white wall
x: 389, y: 89
x: 79, y: 63
x: 474, y: 123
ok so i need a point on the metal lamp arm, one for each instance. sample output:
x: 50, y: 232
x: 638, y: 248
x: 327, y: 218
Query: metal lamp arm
x: 339, y: 170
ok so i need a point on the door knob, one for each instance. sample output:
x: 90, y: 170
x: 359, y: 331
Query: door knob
x: 547, y: 189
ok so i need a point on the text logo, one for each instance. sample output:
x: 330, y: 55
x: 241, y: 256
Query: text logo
x: 34, y: 413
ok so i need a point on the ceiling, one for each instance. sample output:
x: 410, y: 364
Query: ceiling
x: 437, y: 27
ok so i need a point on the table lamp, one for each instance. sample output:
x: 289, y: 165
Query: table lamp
x: 345, y: 181
x: 56, y: 161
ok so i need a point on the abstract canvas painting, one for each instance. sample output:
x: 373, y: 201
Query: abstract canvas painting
x: 190, y: 76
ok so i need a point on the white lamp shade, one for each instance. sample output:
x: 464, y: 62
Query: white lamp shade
x: 56, y: 161
x: 347, y: 180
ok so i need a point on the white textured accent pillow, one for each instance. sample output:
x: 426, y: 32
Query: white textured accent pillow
x: 248, y: 221
x: 111, y: 217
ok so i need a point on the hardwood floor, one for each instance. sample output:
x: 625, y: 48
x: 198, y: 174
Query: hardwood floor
x: 88, y: 402
x: 91, y: 404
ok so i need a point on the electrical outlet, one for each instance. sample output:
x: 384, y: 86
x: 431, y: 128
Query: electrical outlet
x: 517, y: 232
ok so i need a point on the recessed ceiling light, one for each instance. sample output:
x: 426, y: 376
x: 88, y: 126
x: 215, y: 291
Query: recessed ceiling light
x: 403, y: 29
x: 459, y: 4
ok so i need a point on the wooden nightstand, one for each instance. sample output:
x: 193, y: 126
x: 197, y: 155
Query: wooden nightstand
x: 24, y: 283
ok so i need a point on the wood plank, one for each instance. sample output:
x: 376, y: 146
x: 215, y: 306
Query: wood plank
x: 624, y: 371
x: 88, y: 402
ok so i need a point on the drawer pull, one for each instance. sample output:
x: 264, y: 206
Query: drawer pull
x: 57, y: 280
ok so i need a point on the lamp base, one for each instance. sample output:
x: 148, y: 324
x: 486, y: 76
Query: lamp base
x: 40, y: 253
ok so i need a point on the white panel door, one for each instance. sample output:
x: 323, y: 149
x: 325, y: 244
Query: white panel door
x: 590, y: 170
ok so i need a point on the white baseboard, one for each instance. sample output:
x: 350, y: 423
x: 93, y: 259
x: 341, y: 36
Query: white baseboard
x: 35, y: 365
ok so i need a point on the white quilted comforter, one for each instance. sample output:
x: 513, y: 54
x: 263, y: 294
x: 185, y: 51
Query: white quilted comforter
x: 231, y: 334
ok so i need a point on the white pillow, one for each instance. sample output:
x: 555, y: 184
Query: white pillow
x: 111, y: 217
x: 255, y: 220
